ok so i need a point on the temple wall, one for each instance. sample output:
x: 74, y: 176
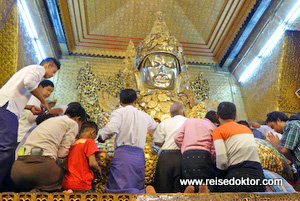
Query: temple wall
x: 273, y: 84
x: 26, y: 51
x: 223, y: 86
x: 9, y: 47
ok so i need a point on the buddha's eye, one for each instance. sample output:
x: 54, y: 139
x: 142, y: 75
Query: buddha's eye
x: 155, y: 64
x: 169, y: 65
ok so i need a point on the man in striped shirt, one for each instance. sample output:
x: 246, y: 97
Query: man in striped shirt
x: 236, y: 152
x: 289, y: 144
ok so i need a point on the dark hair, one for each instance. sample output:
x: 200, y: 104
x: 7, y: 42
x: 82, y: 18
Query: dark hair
x: 295, y: 116
x: 46, y: 83
x: 128, y: 96
x: 89, y: 124
x: 244, y: 122
x: 76, y: 110
x: 42, y: 118
x: 50, y: 59
x: 275, y: 116
x: 226, y: 110
x: 212, y: 116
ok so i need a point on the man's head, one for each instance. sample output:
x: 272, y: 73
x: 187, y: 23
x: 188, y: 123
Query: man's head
x: 212, y: 116
x: 42, y: 118
x: 51, y: 65
x: 295, y: 116
x: 128, y: 96
x: 76, y: 112
x: 276, y: 120
x: 226, y: 111
x: 46, y: 87
x: 244, y: 122
x: 177, y: 109
x: 89, y: 129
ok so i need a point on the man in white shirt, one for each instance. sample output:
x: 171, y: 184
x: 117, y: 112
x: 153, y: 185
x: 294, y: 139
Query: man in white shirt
x: 37, y: 170
x: 168, y: 169
x: 14, y: 96
x: 130, y: 125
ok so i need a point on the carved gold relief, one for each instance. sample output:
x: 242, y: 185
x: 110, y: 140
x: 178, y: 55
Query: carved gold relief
x: 9, y: 47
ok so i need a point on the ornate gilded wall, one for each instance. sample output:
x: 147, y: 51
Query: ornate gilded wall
x: 273, y: 84
x: 9, y: 47
x: 26, y: 52
x: 223, y: 86
x: 289, y: 75
x: 16, y: 48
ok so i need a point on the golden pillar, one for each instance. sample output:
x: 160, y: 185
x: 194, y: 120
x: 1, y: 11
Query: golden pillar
x: 273, y: 86
x: 9, y: 46
x: 289, y: 73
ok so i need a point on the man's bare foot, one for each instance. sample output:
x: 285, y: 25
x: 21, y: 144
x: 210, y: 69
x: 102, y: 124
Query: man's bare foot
x: 68, y: 191
x: 189, y: 189
x: 203, y: 189
x: 150, y: 189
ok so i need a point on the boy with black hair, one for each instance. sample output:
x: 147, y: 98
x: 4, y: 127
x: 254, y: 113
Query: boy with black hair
x: 236, y: 151
x: 82, y: 160
x: 14, y: 96
x: 130, y: 125
x: 37, y: 170
x: 289, y: 144
x: 212, y: 116
x: 256, y: 133
x: 27, y: 118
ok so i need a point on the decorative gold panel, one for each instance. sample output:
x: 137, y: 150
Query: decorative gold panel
x: 9, y: 47
x: 275, y: 81
x: 289, y: 75
x: 104, y: 27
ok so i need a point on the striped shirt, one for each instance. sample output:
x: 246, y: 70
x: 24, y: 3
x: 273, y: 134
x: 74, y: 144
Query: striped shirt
x: 290, y: 139
x: 234, y: 146
x: 285, y: 187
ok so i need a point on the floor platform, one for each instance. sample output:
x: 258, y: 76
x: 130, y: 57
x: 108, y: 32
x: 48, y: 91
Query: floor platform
x: 150, y: 197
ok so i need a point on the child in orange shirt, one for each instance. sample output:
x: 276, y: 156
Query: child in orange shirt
x: 82, y: 160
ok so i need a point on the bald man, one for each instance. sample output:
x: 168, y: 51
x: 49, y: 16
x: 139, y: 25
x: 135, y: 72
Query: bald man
x: 168, y: 169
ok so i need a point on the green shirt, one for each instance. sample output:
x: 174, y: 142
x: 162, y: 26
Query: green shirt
x: 291, y: 139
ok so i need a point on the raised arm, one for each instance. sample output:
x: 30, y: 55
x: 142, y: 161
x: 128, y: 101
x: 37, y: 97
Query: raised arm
x: 67, y: 141
x: 221, y: 151
x: 112, y: 128
x: 159, y: 135
x: 179, y: 137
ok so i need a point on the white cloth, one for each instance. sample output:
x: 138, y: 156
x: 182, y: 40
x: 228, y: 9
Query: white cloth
x: 166, y: 131
x: 265, y: 130
x: 63, y: 107
x: 27, y: 119
x: 17, y: 89
x: 130, y: 126
x: 55, y: 136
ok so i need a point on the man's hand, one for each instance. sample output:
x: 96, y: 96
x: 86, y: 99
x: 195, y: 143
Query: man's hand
x: 274, y: 140
x: 45, y: 107
x: 36, y: 110
x: 255, y: 125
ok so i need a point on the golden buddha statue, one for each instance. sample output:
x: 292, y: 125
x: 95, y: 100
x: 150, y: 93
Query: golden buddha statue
x: 156, y: 69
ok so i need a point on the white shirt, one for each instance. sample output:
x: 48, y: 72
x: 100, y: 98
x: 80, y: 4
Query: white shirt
x: 17, y: 89
x: 265, y: 130
x: 130, y: 126
x: 55, y: 136
x: 166, y: 131
x: 27, y: 119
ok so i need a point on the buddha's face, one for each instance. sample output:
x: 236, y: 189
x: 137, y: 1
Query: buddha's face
x: 159, y: 70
